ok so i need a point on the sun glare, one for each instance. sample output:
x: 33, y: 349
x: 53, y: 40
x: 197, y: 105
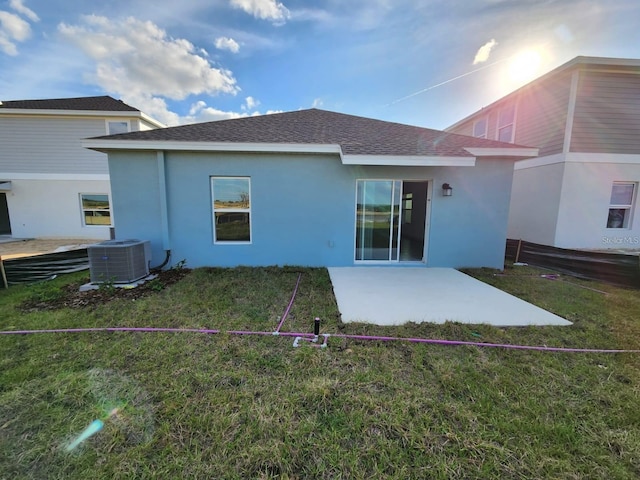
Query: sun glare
x: 525, y: 65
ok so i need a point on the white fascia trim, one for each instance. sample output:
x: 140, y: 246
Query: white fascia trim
x: 107, y: 145
x: 502, y: 152
x: 8, y: 176
x: 79, y: 113
x: 104, y: 145
x: 408, y: 161
x: 152, y: 121
x: 577, y: 157
x: 540, y: 161
x: 624, y: 158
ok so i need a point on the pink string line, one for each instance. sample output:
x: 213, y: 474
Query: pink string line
x: 293, y: 297
x: 339, y: 335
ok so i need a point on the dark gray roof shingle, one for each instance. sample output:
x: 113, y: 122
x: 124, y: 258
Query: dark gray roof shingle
x: 356, y: 135
x: 103, y: 103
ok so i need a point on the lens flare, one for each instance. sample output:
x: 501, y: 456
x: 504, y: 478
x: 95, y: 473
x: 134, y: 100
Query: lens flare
x: 525, y: 65
x: 91, y: 430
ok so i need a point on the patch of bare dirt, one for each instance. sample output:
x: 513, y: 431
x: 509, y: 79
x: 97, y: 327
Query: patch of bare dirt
x: 70, y: 296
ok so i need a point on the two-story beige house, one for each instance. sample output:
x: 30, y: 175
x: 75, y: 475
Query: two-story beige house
x: 582, y: 190
x: 50, y: 186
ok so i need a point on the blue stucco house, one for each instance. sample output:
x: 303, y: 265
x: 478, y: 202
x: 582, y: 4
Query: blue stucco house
x: 312, y: 188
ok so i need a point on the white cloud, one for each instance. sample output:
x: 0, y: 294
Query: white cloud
x: 12, y: 29
x: 264, y: 9
x: 200, y: 112
x: 250, y: 104
x: 312, y: 15
x: 155, y: 107
x: 317, y: 103
x: 225, y: 43
x: 138, y: 61
x: 484, y: 52
x: 139, y: 56
x: 7, y: 46
x: 18, y: 6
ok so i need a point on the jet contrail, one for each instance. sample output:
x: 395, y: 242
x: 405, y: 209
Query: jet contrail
x: 445, y: 82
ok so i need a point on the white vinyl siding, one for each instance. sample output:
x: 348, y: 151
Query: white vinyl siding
x: 50, y: 145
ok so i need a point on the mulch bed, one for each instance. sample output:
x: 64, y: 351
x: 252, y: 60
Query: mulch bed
x: 71, y: 297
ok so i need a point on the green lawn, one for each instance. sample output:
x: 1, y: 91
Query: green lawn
x: 227, y: 406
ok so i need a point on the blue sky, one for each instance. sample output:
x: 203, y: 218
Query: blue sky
x: 421, y: 62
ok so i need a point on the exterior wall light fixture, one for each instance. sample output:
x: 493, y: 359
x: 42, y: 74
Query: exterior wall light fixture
x: 446, y: 190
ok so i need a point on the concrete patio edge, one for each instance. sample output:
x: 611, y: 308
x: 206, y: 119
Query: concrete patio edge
x: 394, y: 296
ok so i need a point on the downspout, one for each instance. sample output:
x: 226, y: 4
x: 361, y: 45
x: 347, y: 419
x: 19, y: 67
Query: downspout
x: 164, y: 211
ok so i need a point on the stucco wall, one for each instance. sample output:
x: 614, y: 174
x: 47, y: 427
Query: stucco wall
x: 534, y: 202
x: 584, y: 207
x: 51, y: 208
x: 303, y: 208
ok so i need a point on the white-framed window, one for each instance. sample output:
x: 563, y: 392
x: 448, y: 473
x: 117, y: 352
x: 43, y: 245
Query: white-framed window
x: 621, y: 204
x: 118, y: 126
x: 96, y: 209
x: 506, y: 124
x: 480, y: 128
x: 231, y: 209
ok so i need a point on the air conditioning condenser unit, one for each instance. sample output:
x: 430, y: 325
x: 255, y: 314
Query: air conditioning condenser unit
x: 119, y: 261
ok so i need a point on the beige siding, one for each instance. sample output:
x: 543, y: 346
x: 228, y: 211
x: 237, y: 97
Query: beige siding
x: 465, y: 128
x: 607, y: 116
x: 50, y: 145
x: 541, y: 115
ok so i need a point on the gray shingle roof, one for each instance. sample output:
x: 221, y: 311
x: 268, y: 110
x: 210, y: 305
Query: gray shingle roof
x: 103, y: 104
x: 355, y: 135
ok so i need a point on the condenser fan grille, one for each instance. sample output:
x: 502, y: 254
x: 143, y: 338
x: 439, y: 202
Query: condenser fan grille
x: 119, y: 261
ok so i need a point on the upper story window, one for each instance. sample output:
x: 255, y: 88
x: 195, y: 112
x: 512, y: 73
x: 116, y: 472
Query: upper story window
x: 95, y: 209
x: 506, y: 124
x: 231, y: 209
x: 620, y: 205
x: 480, y: 128
x: 120, y: 126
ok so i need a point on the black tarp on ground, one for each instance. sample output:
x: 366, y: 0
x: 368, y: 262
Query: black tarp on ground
x: 615, y: 268
x: 45, y: 266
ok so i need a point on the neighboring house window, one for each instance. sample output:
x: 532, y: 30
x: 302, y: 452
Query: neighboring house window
x: 622, y: 195
x: 231, y: 209
x: 480, y: 128
x: 95, y: 209
x: 117, y: 127
x: 506, y: 123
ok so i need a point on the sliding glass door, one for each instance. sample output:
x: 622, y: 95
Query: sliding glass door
x: 391, y: 218
x: 378, y: 219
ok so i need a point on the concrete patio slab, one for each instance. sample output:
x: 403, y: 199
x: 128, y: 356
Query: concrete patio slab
x: 393, y: 296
